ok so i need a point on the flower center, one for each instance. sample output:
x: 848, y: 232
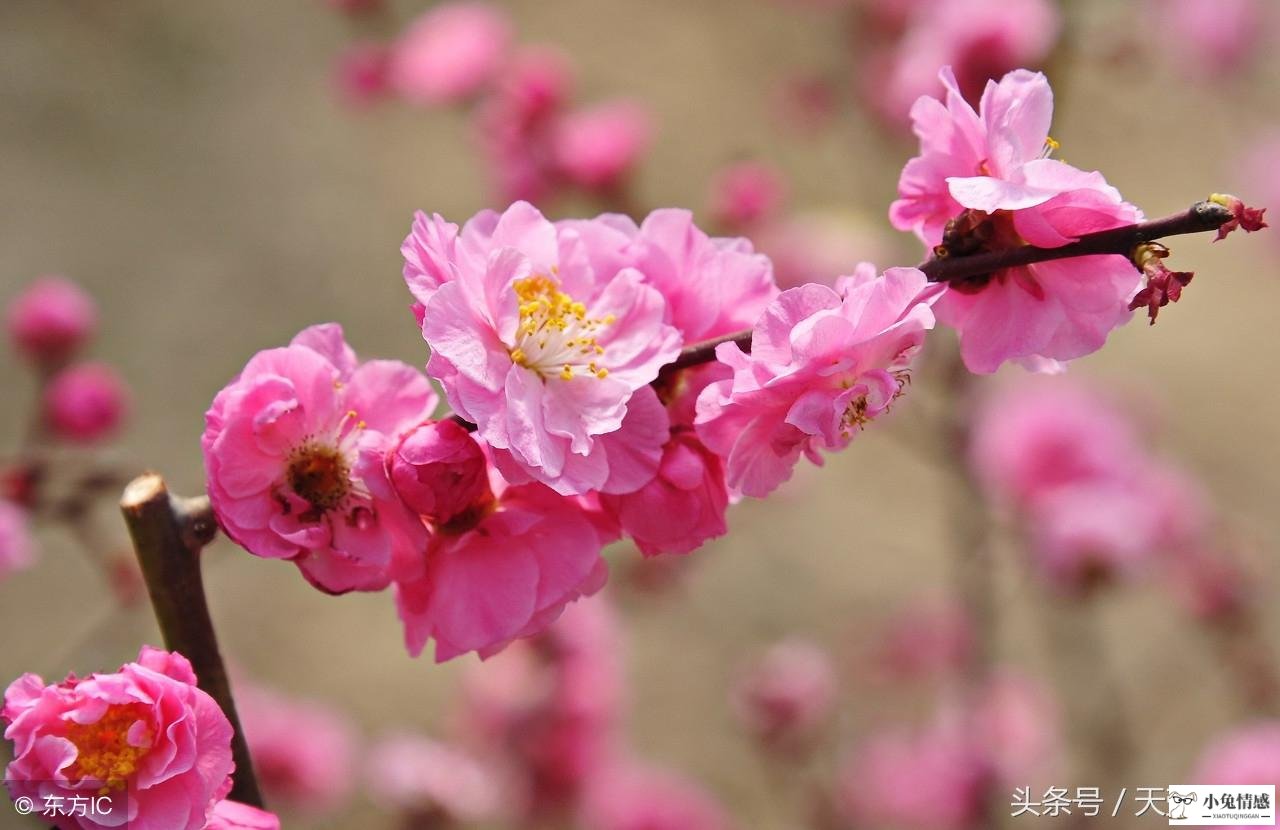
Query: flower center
x: 870, y: 404
x: 319, y: 474
x: 555, y: 337
x: 103, y: 751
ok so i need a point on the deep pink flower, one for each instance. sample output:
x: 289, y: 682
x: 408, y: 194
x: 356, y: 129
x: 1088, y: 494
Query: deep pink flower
x: 51, y: 319
x: 232, y: 815
x: 983, y: 181
x: 1217, y: 37
x: 419, y: 776
x: 303, y: 752
x: 440, y: 471
x: 628, y: 795
x: 85, y: 402
x: 786, y: 694
x: 824, y: 362
x: 450, y: 53
x: 598, y: 147
x: 17, y: 550
x: 1163, y: 286
x: 746, y: 193
x: 146, y: 729
x: 550, y: 356
x: 294, y: 454
x: 360, y: 76
x: 1247, y: 755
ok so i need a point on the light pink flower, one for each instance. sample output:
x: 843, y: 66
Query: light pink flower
x: 303, y: 752
x: 51, y: 319
x: 17, y: 550
x: 450, y: 53
x: 232, y: 815
x: 145, y: 729
x: 440, y: 472
x: 294, y: 454
x: 1218, y: 37
x: 628, y: 795
x: 983, y: 182
x: 360, y: 75
x: 424, y: 777
x: 548, y: 355
x: 824, y: 362
x: 85, y: 402
x: 747, y: 193
x: 1247, y: 755
x: 786, y: 695
x: 598, y: 147
x: 1017, y: 720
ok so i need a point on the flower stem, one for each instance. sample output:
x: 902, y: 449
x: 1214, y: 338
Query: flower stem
x: 168, y: 533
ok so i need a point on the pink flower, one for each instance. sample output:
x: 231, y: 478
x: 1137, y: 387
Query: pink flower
x: 634, y: 796
x: 423, y: 777
x: 786, y: 695
x: 682, y: 506
x: 146, y: 729
x: 232, y: 815
x: 86, y: 402
x: 51, y: 319
x: 824, y: 363
x: 746, y: 193
x: 440, y: 472
x: 928, y: 639
x: 983, y: 182
x: 597, y: 148
x: 360, y: 76
x: 294, y: 454
x: 1218, y: 37
x: 548, y: 355
x: 302, y: 751
x: 17, y: 551
x: 450, y: 53
x: 1247, y: 755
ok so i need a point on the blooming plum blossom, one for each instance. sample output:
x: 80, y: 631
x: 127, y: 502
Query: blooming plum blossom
x: 786, y: 694
x: 450, y: 53
x: 824, y: 362
x: 294, y: 455
x: 85, y: 402
x: 51, y: 319
x: 232, y: 815
x: 146, y: 729
x: 597, y: 147
x: 17, y: 551
x: 984, y: 182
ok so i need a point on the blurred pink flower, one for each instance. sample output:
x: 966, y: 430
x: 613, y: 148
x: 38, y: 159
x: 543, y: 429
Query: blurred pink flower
x: 597, y: 148
x: 1018, y: 721
x: 928, y: 639
x: 450, y: 53
x: 440, y: 472
x: 819, y: 246
x: 1249, y: 754
x: 232, y: 815
x: 85, y: 402
x: 420, y: 776
x: 786, y: 695
x: 294, y: 455
x: 983, y: 181
x: 632, y: 796
x: 51, y: 319
x: 1211, y: 584
x: 823, y: 363
x: 745, y: 194
x: 17, y: 550
x: 1215, y: 37
x: 303, y: 752
x: 146, y: 729
x: 1258, y: 173
x: 360, y: 76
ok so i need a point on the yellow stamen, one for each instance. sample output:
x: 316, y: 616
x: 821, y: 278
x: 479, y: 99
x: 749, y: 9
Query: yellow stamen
x: 103, y: 751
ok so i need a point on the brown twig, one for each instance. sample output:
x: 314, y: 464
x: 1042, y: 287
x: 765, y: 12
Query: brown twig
x: 168, y: 533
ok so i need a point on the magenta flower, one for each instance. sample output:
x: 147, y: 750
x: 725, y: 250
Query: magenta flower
x: 85, y: 402
x: 983, y: 181
x: 418, y: 776
x: 51, y: 319
x: 450, y: 53
x: 548, y: 353
x: 628, y: 795
x: 232, y: 815
x: 145, y: 729
x: 17, y: 551
x: 598, y: 147
x: 294, y: 454
x: 823, y: 364
x: 440, y: 472
x: 786, y: 695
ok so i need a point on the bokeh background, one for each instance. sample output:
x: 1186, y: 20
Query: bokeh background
x: 191, y: 165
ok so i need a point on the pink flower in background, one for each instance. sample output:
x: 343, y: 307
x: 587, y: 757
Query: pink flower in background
x: 819, y: 246
x: 85, y: 402
x: 450, y: 53
x: 628, y: 795
x: 232, y: 815
x: 930, y: 638
x: 824, y: 362
x: 419, y: 776
x: 1249, y: 754
x: 303, y: 752
x: 440, y: 472
x: 1018, y: 720
x: 747, y: 193
x: 1218, y: 37
x: 682, y: 507
x: 294, y: 455
x: 598, y: 147
x: 1258, y: 173
x: 17, y: 551
x: 146, y: 729
x: 549, y: 356
x: 360, y: 75
x: 51, y: 319
x: 786, y: 695
x: 983, y: 182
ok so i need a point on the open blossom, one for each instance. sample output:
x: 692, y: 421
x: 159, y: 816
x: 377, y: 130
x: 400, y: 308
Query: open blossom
x: 628, y: 795
x: 232, y: 815
x: 450, y: 53
x: 51, y: 319
x: 419, y: 776
x: 597, y: 147
x: 85, y: 402
x: 786, y: 694
x: 294, y: 455
x: 16, y: 549
x: 146, y: 729
x: 824, y: 362
x: 549, y: 354
x: 984, y: 182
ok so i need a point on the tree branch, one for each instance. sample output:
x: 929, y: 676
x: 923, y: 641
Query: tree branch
x: 168, y: 533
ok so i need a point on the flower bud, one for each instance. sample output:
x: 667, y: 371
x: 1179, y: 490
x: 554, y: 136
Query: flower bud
x: 786, y: 694
x: 440, y: 471
x: 85, y: 402
x: 51, y: 319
